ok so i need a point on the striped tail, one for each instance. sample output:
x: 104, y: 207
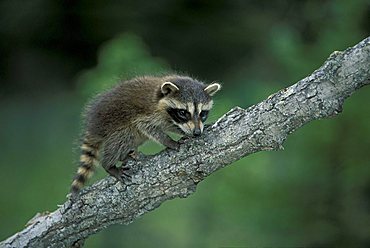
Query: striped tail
x: 88, y: 159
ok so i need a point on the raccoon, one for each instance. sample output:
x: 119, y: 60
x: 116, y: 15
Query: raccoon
x: 121, y: 119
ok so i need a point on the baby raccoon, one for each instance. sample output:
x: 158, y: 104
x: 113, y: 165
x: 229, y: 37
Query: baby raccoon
x: 122, y: 118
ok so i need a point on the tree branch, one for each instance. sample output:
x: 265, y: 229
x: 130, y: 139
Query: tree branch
x: 171, y: 174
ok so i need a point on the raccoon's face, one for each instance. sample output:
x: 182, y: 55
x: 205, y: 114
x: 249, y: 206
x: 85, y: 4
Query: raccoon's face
x: 187, y: 103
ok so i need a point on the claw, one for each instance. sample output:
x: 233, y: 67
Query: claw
x: 125, y: 173
x: 120, y: 173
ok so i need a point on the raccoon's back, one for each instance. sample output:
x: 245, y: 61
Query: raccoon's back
x: 119, y: 106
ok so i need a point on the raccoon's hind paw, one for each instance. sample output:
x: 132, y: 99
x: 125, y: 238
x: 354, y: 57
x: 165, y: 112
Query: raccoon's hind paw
x: 122, y: 174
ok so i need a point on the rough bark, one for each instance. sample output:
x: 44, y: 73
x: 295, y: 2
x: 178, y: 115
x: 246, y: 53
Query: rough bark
x: 171, y: 174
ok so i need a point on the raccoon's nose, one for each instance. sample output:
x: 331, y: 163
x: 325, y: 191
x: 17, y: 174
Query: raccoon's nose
x: 197, y: 132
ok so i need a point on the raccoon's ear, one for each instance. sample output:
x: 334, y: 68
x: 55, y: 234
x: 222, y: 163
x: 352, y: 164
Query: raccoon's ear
x: 168, y: 87
x: 212, y: 88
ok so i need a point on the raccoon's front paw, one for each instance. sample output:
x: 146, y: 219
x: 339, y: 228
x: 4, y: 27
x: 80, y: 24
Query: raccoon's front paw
x: 174, y: 145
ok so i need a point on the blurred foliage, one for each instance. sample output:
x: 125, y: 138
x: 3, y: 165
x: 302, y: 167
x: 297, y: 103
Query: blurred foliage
x: 121, y: 58
x: 55, y: 55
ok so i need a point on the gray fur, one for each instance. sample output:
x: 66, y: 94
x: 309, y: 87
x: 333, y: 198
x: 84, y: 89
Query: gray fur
x: 191, y: 90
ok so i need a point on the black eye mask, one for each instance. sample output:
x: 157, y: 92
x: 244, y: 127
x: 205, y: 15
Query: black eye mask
x: 179, y: 115
x: 203, y: 115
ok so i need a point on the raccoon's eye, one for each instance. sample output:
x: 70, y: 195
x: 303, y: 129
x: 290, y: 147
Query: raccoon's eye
x: 203, y: 115
x: 182, y: 114
x: 179, y: 115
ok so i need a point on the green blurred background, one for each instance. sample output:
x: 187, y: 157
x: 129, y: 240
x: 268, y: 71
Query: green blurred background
x: 57, y: 54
